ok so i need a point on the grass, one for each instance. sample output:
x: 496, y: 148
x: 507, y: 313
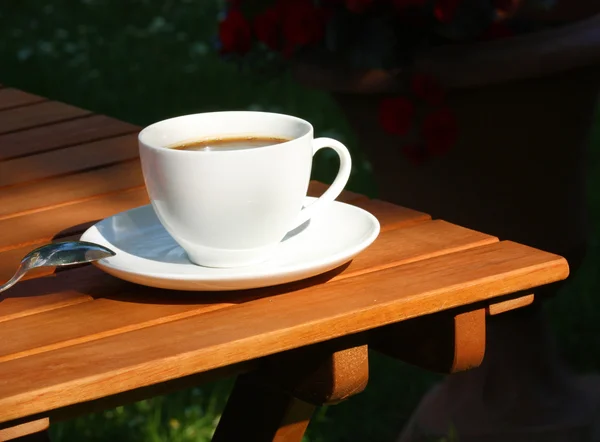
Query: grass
x: 144, y: 60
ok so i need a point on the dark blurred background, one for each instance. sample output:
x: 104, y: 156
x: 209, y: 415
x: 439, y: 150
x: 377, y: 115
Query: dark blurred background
x: 145, y: 60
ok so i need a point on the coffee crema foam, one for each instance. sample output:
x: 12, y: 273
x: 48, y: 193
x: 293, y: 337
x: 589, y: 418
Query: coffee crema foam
x: 228, y: 144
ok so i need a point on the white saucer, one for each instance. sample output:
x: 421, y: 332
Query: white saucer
x: 146, y: 254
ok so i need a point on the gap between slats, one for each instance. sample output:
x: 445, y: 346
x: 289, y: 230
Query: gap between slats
x: 11, y: 98
x: 71, y: 188
x: 40, y: 114
x: 68, y: 160
x: 62, y: 135
x: 63, y: 221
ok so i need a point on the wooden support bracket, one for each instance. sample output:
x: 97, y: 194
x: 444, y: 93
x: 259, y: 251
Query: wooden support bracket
x: 445, y: 342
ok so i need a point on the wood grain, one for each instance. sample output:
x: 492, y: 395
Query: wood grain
x: 391, y: 216
x: 26, y: 429
x: 68, y: 133
x: 414, y: 243
x: 38, y: 114
x: 469, y: 338
x: 65, y: 221
x: 317, y: 188
x: 280, y: 320
x: 69, y: 189
x: 325, y: 373
x: 91, y: 321
x: 31, y: 297
x: 10, y: 98
x: 68, y: 160
x: 496, y: 308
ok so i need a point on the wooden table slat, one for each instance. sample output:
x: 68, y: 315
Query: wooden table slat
x: 414, y: 243
x: 270, y: 324
x: 317, y: 188
x: 63, y: 221
x: 56, y: 136
x: 37, y: 115
x: 68, y: 189
x: 93, y: 320
x: 21, y: 432
x: 391, y: 216
x: 68, y: 160
x: 11, y: 98
x: 32, y: 296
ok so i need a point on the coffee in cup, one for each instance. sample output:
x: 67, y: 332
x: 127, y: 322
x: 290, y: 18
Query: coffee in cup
x: 235, y: 143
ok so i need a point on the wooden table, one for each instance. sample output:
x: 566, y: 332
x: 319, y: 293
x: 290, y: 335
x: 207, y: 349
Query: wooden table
x: 78, y: 340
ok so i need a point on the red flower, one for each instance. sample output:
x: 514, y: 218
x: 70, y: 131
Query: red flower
x: 303, y: 23
x: 440, y: 131
x: 426, y: 88
x: 497, y: 31
x: 235, y: 33
x: 396, y: 115
x: 445, y: 10
x: 358, y: 6
x: 267, y: 27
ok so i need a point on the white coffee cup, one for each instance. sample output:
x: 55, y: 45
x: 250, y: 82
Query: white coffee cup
x: 232, y: 208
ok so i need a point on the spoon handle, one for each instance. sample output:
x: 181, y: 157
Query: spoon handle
x: 16, y: 277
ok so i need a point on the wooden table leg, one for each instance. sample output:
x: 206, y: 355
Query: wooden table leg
x: 276, y: 402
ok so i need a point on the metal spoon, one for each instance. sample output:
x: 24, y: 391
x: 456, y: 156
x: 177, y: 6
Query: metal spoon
x: 58, y: 254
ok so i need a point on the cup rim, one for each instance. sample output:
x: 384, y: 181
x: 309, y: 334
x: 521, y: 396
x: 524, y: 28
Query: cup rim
x: 142, y: 134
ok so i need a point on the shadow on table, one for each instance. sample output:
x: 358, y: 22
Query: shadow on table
x: 88, y: 280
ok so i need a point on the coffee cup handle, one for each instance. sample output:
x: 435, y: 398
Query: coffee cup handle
x: 338, y: 184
